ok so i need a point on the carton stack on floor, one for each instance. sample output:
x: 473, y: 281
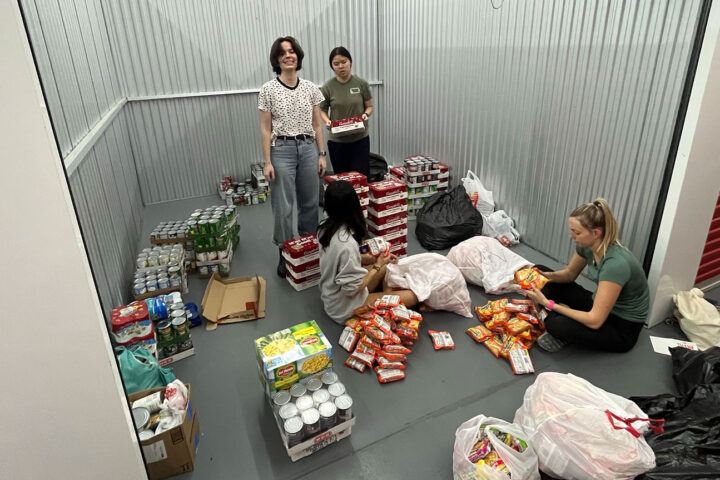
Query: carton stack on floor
x: 359, y: 183
x: 423, y: 177
x: 387, y: 214
x: 302, y: 261
x: 215, y: 234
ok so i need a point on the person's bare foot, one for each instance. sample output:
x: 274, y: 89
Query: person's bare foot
x: 425, y: 308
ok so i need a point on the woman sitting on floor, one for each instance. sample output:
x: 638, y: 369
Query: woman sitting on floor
x: 346, y: 276
x: 612, y: 317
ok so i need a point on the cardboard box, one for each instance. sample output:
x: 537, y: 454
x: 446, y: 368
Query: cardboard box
x: 293, y: 353
x: 233, y: 300
x: 172, y: 452
x: 305, y: 283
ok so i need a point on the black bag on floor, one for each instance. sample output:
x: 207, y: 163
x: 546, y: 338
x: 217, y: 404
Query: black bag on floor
x: 690, y: 446
x: 378, y: 168
x: 447, y: 219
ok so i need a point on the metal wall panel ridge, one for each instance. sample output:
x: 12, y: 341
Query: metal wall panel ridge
x: 552, y: 103
x: 72, y: 48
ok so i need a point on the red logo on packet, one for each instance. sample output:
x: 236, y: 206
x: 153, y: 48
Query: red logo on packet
x: 286, y: 371
x: 309, y: 341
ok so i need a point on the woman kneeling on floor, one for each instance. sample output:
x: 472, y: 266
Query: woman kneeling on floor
x: 612, y: 317
x: 346, y: 276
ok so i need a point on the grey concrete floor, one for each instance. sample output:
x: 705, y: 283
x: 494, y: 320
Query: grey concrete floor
x: 405, y: 429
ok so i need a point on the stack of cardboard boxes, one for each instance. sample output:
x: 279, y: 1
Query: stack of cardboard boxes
x: 387, y: 214
x: 359, y: 183
x: 302, y: 261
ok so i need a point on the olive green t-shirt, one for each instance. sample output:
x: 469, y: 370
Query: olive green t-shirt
x: 620, y: 266
x: 345, y: 100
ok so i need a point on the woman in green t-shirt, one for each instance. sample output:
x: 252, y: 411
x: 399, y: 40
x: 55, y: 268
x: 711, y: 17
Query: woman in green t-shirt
x: 347, y: 96
x: 609, y: 319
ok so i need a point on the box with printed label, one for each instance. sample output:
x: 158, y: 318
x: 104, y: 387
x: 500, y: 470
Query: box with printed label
x: 293, y: 353
x: 171, y: 452
x: 384, y: 223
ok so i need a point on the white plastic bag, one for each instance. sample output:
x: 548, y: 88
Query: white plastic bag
x: 523, y: 466
x: 700, y: 319
x: 485, y: 262
x: 499, y: 225
x: 481, y: 197
x: 567, y: 421
x: 434, y: 280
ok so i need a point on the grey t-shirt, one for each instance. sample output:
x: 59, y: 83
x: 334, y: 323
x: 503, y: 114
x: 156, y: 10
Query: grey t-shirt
x: 341, y: 274
x: 345, y: 100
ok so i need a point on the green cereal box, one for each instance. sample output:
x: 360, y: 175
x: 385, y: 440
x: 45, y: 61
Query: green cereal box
x: 292, y: 354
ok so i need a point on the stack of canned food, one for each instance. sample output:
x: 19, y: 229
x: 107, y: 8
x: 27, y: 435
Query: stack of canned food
x: 159, y: 268
x: 250, y: 191
x: 304, y: 411
x: 173, y: 334
x: 214, y: 234
x: 421, y: 163
x: 423, y: 177
x: 166, y: 231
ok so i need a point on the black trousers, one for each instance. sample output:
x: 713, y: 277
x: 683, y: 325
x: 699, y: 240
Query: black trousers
x: 348, y: 157
x: 615, y: 335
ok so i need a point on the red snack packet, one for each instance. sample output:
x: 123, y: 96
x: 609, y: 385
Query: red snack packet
x: 441, y: 340
x: 387, y: 363
x: 370, y: 343
x: 479, y: 333
x: 355, y: 364
x: 365, y: 349
x: 364, y: 312
x: 499, y: 305
x: 382, y: 324
x: 528, y: 278
x: 412, y: 324
x: 520, y: 361
x: 515, y: 308
x: 394, y: 357
x: 366, y: 358
x: 400, y: 313
x: 405, y: 332
x: 377, y: 335
x: 348, y: 339
x: 528, y: 318
x: 510, y: 343
x: 396, y: 349
x: 390, y: 375
x: 516, y: 326
x: 494, y: 346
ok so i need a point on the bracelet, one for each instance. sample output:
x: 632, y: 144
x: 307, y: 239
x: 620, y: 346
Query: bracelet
x: 376, y: 268
x: 550, y: 305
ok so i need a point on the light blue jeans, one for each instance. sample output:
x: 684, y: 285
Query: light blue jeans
x: 296, y: 176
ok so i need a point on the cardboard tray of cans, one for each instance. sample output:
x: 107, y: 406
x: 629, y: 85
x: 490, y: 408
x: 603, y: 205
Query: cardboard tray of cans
x: 318, y: 442
x: 177, y: 357
x: 182, y: 288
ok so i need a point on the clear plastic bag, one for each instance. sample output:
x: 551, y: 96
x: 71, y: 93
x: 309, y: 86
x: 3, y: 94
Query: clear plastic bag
x: 485, y: 262
x: 523, y: 466
x: 481, y: 197
x: 581, y: 432
x: 434, y: 280
x: 499, y: 225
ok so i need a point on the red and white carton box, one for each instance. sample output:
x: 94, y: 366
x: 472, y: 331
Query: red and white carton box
x: 364, y: 199
x: 394, y: 242
x: 400, y: 252
x: 347, y: 126
x: 386, y: 212
x: 444, y: 172
x: 398, y: 173
x: 380, y: 225
x: 304, y: 270
x: 392, y: 233
x: 301, y: 250
x: 356, y: 179
x: 387, y: 191
x: 303, y: 283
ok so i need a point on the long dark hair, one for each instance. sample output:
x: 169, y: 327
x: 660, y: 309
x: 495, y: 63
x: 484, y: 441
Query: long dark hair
x: 343, y: 210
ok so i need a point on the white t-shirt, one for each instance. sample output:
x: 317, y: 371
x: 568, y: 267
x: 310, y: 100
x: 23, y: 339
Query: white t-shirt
x: 291, y: 108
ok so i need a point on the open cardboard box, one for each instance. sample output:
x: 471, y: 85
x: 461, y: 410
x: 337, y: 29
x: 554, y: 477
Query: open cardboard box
x: 233, y: 300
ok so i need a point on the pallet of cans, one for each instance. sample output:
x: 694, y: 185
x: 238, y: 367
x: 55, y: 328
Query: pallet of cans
x: 302, y: 261
x: 174, y: 231
x: 423, y: 177
x: 214, y: 234
x: 250, y: 191
x: 387, y: 214
x: 359, y: 183
x: 173, y: 332
x: 160, y: 271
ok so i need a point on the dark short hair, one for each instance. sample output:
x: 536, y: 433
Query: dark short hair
x: 343, y: 210
x: 339, y: 51
x: 276, y: 50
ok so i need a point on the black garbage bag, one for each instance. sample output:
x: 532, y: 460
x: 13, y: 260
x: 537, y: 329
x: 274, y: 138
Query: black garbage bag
x: 691, y: 367
x: 378, y: 167
x: 447, y: 219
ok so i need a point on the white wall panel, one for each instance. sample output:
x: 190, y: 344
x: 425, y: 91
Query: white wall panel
x: 551, y: 103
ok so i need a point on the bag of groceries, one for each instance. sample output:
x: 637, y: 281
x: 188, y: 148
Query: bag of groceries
x: 493, y: 449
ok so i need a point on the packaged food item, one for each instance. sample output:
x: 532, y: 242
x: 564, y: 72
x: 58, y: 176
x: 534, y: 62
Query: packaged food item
x: 442, y: 340
x: 396, y: 349
x: 390, y: 375
x: 369, y: 342
x: 515, y: 308
x: 376, y: 246
x: 510, y: 343
x: 520, y: 361
x: 364, y: 312
x: 485, y: 312
x: 365, y: 358
x: 516, y: 326
x: 406, y: 333
x: 382, y: 324
x: 528, y: 278
x: 528, y: 318
x: 349, y: 338
x: 388, y: 301
x: 499, y: 305
x: 413, y: 324
x: 377, y: 335
x: 479, y: 333
x: 400, y: 313
x: 498, y: 322
x: 494, y: 346
x: 355, y: 364
x: 393, y: 357
x: 361, y: 348
x: 387, y: 363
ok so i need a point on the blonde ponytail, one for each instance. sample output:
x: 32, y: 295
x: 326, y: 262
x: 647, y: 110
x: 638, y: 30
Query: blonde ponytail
x: 599, y: 215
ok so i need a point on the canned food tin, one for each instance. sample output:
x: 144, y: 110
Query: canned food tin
x: 313, y: 385
x: 175, y: 281
x: 321, y: 396
x: 152, y: 261
x: 311, y: 422
x: 202, y: 256
x: 185, y: 345
x: 179, y: 324
x: 146, y: 435
x: 141, y: 416
x: 203, y: 270
x: 170, y: 349
x: 248, y: 199
x: 329, y: 378
x: 288, y: 410
x: 151, y: 286
x: 174, y: 272
x: 344, y: 407
x: 141, y: 261
x: 165, y: 332
x: 298, y: 390
x: 262, y: 197
x: 328, y: 415
x: 304, y: 402
x: 281, y: 398
x: 139, y: 288
x: 336, y: 390
x: 294, y: 430
x: 214, y: 226
x: 203, y: 227
x: 212, y: 255
x: 163, y: 283
x: 255, y: 198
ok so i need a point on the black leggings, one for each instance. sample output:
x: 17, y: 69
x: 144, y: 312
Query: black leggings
x: 615, y: 335
x: 348, y: 157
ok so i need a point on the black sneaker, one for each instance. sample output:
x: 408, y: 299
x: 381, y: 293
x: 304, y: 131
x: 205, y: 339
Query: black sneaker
x: 281, y: 269
x: 549, y: 343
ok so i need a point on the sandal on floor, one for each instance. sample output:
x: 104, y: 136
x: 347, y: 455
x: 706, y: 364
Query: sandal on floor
x: 549, y: 343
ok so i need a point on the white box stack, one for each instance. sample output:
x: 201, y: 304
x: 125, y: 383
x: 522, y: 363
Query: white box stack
x: 359, y: 183
x: 387, y: 213
x: 302, y: 261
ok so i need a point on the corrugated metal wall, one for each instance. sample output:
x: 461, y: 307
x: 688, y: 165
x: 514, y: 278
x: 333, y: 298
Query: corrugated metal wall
x: 551, y: 103
x: 184, y: 145
x: 72, y: 49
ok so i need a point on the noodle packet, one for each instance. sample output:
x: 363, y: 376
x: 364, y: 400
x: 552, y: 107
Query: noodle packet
x: 387, y: 375
x: 370, y: 343
x: 382, y: 324
x: 355, y: 364
x: 485, y: 312
x: 516, y: 326
x: 520, y: 361
x: 494, y: 346
x: 360, y: 348
x: 479, y: 333
x: 349, y: 338
x: 441, y: 340
x: 366, y: 358
x: 515, y: 308
x: 396, y: 349
x: 528, y: 278
x: 393, y: 357
x: 387, y: 363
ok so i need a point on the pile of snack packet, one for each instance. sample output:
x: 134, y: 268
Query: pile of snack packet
x: 483, y: 453
x: 508, y: 328
x: 378, y: 337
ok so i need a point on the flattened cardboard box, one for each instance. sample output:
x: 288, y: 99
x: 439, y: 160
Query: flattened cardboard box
x: 233, y: 300
x: 172, y: 452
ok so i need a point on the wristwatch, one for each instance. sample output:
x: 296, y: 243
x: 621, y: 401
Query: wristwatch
x: 322, y: 154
